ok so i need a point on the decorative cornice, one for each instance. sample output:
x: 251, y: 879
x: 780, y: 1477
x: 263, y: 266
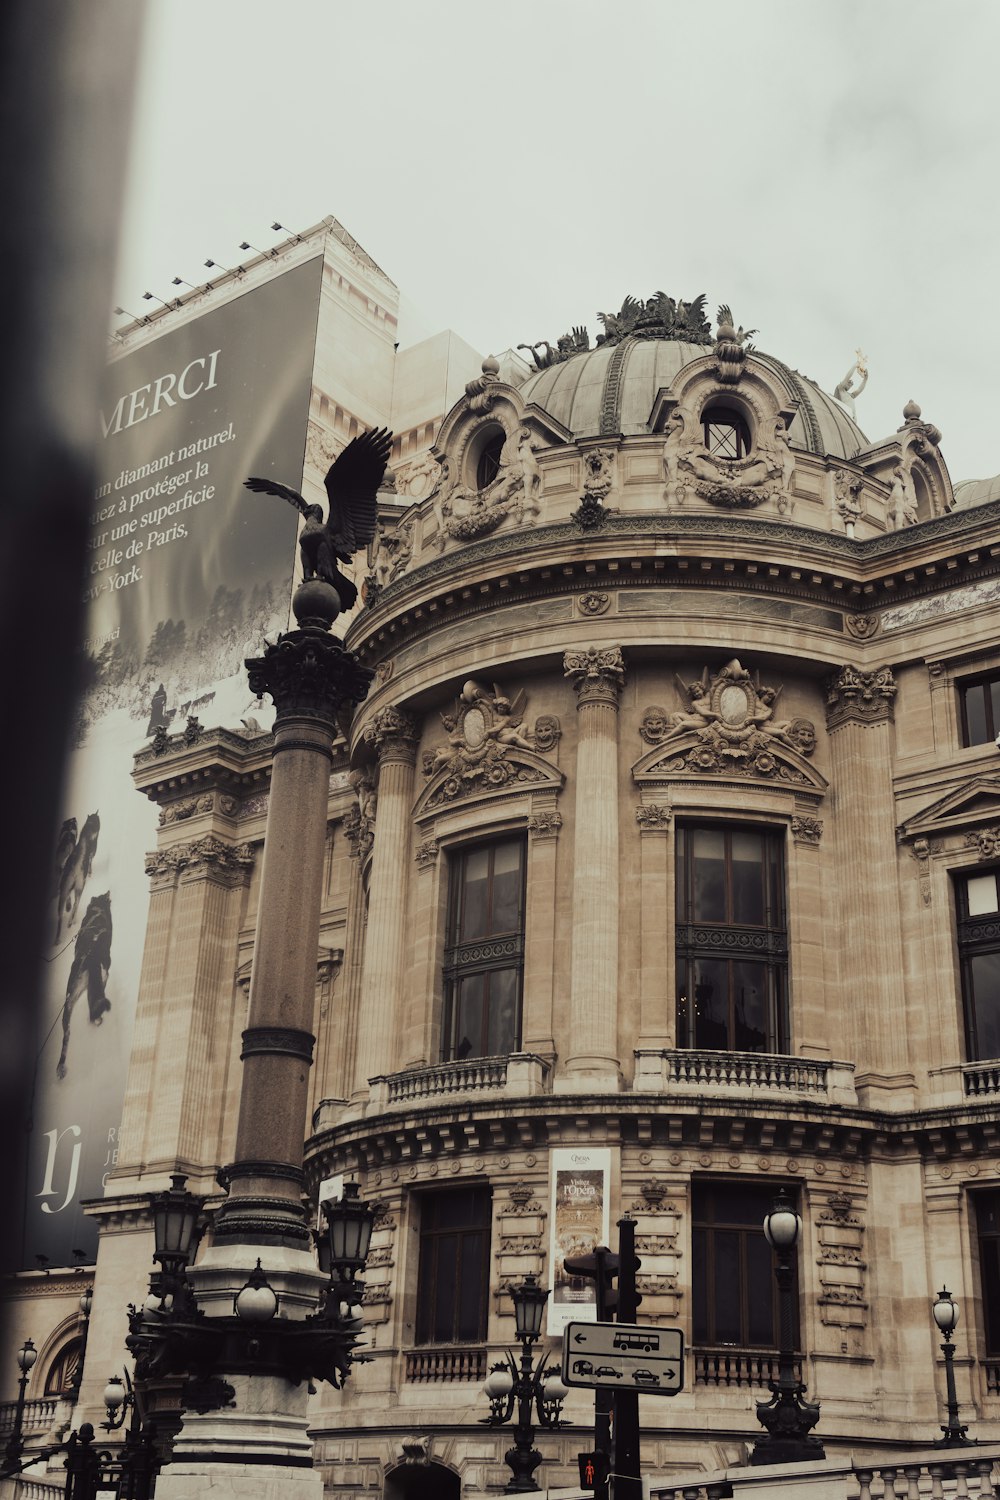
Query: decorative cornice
x: 598, y: 674
x: 308, y: 674
x: 854, y: 696
x: 393, y: 735
x: 208, y: 851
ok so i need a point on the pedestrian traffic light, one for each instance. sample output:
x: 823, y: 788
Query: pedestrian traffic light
x: 594, y: 1471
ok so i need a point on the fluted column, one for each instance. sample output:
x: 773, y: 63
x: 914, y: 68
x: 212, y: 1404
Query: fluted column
x: 597, y: 675
x: 393, y: 735
x: 860, y: 722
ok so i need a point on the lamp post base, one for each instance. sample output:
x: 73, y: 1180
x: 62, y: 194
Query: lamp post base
x: 788, y: 1419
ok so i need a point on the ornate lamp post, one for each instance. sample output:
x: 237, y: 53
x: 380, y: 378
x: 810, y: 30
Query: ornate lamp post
x: 26, y: 1356
x: 787, y: 1417
x: 945, y: 1313
x: 508, y: 1386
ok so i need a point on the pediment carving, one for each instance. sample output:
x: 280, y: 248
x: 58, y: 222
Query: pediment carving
x: 975, y: 801
x: 729, y: 728
x: 489, y: 749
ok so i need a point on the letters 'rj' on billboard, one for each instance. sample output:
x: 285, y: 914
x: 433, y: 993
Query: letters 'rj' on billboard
x: 185, y: 573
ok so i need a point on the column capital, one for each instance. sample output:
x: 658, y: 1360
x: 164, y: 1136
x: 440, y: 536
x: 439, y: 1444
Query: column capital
x: 859, y: 697
x: 308, y: 674
x: 393, y: 735
x: 597, y: 673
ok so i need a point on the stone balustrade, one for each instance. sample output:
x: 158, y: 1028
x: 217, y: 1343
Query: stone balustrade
x: 515, y: 1075
x: 724, y: 1365
x: 981, y: 1079
x: 460, y: 1363
x: 925, y: 1474
x: 39, y: 1414
x: 681, y: 1070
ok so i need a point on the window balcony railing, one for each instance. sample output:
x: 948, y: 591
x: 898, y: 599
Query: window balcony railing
x: 727, y: 1365
x: 682, y: 1069
x: 981, y: 1079
x: 457, y: 1362
x: 991, y: 1375
x: 515, y: 1075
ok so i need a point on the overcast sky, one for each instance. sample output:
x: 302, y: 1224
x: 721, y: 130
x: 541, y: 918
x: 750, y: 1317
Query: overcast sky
x: 829, y: 169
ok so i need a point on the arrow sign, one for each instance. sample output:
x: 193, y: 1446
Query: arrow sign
x: 624, y: 1357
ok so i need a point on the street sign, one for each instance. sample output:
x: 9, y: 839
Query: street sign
x: 624, y: 1357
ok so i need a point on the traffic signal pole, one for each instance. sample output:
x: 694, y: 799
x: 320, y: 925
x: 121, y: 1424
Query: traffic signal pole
x: 626, y: 1483
x: 607, y: 1266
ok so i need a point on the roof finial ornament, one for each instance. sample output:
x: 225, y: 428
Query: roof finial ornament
x: 729, y: 346
x: 846, y: 392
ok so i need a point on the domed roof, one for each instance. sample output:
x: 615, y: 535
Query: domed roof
x: 612, y: 388
x: 970, y: 492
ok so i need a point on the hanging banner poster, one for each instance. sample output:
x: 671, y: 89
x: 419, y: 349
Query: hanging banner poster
x: 186, y: 571
x: 578, y: 1215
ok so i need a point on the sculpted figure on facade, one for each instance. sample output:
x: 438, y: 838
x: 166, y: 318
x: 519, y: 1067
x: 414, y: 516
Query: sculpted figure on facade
x: 901, y: 507
x: 419, y: 478
x: 847, y: 488
x: 393, y: 552
x: 544, y: 355
x: 512, y: 495
x: 768, y: 473
x: 731, y: 720
x: 482, y: 729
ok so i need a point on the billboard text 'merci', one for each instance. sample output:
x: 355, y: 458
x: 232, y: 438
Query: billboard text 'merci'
x: 186, y: 571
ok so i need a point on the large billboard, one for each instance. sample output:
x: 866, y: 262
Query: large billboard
x: 186, y: 572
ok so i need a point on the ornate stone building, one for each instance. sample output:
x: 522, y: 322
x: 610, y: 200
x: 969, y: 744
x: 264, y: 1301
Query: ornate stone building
x: 669, y: 838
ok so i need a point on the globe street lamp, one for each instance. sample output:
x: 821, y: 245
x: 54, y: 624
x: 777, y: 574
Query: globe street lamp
x: 26, y: 1356
x: 508, y: 1386
x: 787, y: 1417
x: 945, y: 1313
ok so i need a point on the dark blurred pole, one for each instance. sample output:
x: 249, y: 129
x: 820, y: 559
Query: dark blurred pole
x: 627, y: 1482
x: 67, y: 73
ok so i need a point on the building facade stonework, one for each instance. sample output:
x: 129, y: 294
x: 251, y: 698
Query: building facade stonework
x: 675, y: 837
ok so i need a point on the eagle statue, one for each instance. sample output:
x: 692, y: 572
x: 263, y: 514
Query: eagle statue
x: 352, y: 483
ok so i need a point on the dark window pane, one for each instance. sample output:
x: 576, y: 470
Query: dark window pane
x: 709, y: 883
x: 469, y: 1031
x: 506, y: 888
x: 748, y: 879
x: 469, y: 1300
x: 760, y: 1291
x: 502, y: 1037
x: 475, y: 903
x: 454, y: 1251
x: 975, y: 715
x: 994, y: 705
x: 699, y: 1287
x: 726, y: 1287
x: 447, y: 1257
x: 750, y: 1007
x: 685, y: 1007
x: 711, y: 1002
x: 984, y: 971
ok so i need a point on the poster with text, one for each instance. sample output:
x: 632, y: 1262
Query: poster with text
x: 578, y: 1217
x: 186, y: 572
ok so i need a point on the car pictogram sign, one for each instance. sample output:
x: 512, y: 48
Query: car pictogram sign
x: 624, y: 1357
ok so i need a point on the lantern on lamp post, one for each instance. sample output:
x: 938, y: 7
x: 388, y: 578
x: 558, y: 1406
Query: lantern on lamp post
x: 508, y: 1386
x: 944, y: 1311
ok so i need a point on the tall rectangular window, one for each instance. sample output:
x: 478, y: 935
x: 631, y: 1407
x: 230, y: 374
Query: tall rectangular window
x: 484, y: 952
x: 731, y: 940
x: 979, y: 702
x: 988, y: 1226
x: 732, y: 1267
x: 979, y: 952
x: 453, y: 1277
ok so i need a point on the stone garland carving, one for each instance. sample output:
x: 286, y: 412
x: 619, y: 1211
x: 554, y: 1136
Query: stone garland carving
x: 807, y: 829
x: 856, y: 696
x: 419, y: 478
x: 985, y: 840
x: 481, y: 729
x: 841, y: 1263
x: 545, y: 825
x: 652, y: 818
x: 598, y: 674
x: 178, y: 812
x: 862, y: 627
x: 847, y: 490
x: 921, y: 852
x: 768, y: 473
x: 377, y: 1297
x: 593, y: 604
x: 511, y: 496
x: 732, y: 716
x: 210, y: 851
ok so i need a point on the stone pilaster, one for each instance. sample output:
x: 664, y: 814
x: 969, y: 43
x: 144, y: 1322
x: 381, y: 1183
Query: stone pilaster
x: 598, y: 675
x: 393, y: 735
x: 540, y: 927
x: 657, y: 1009
x: 860, y: 721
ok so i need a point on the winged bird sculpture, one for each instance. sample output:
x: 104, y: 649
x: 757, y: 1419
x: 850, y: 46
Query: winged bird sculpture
x: 352, y: 483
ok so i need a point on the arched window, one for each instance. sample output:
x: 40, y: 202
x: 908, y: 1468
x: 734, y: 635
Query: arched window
x: 61, y: 1374
x: 725, y: 432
